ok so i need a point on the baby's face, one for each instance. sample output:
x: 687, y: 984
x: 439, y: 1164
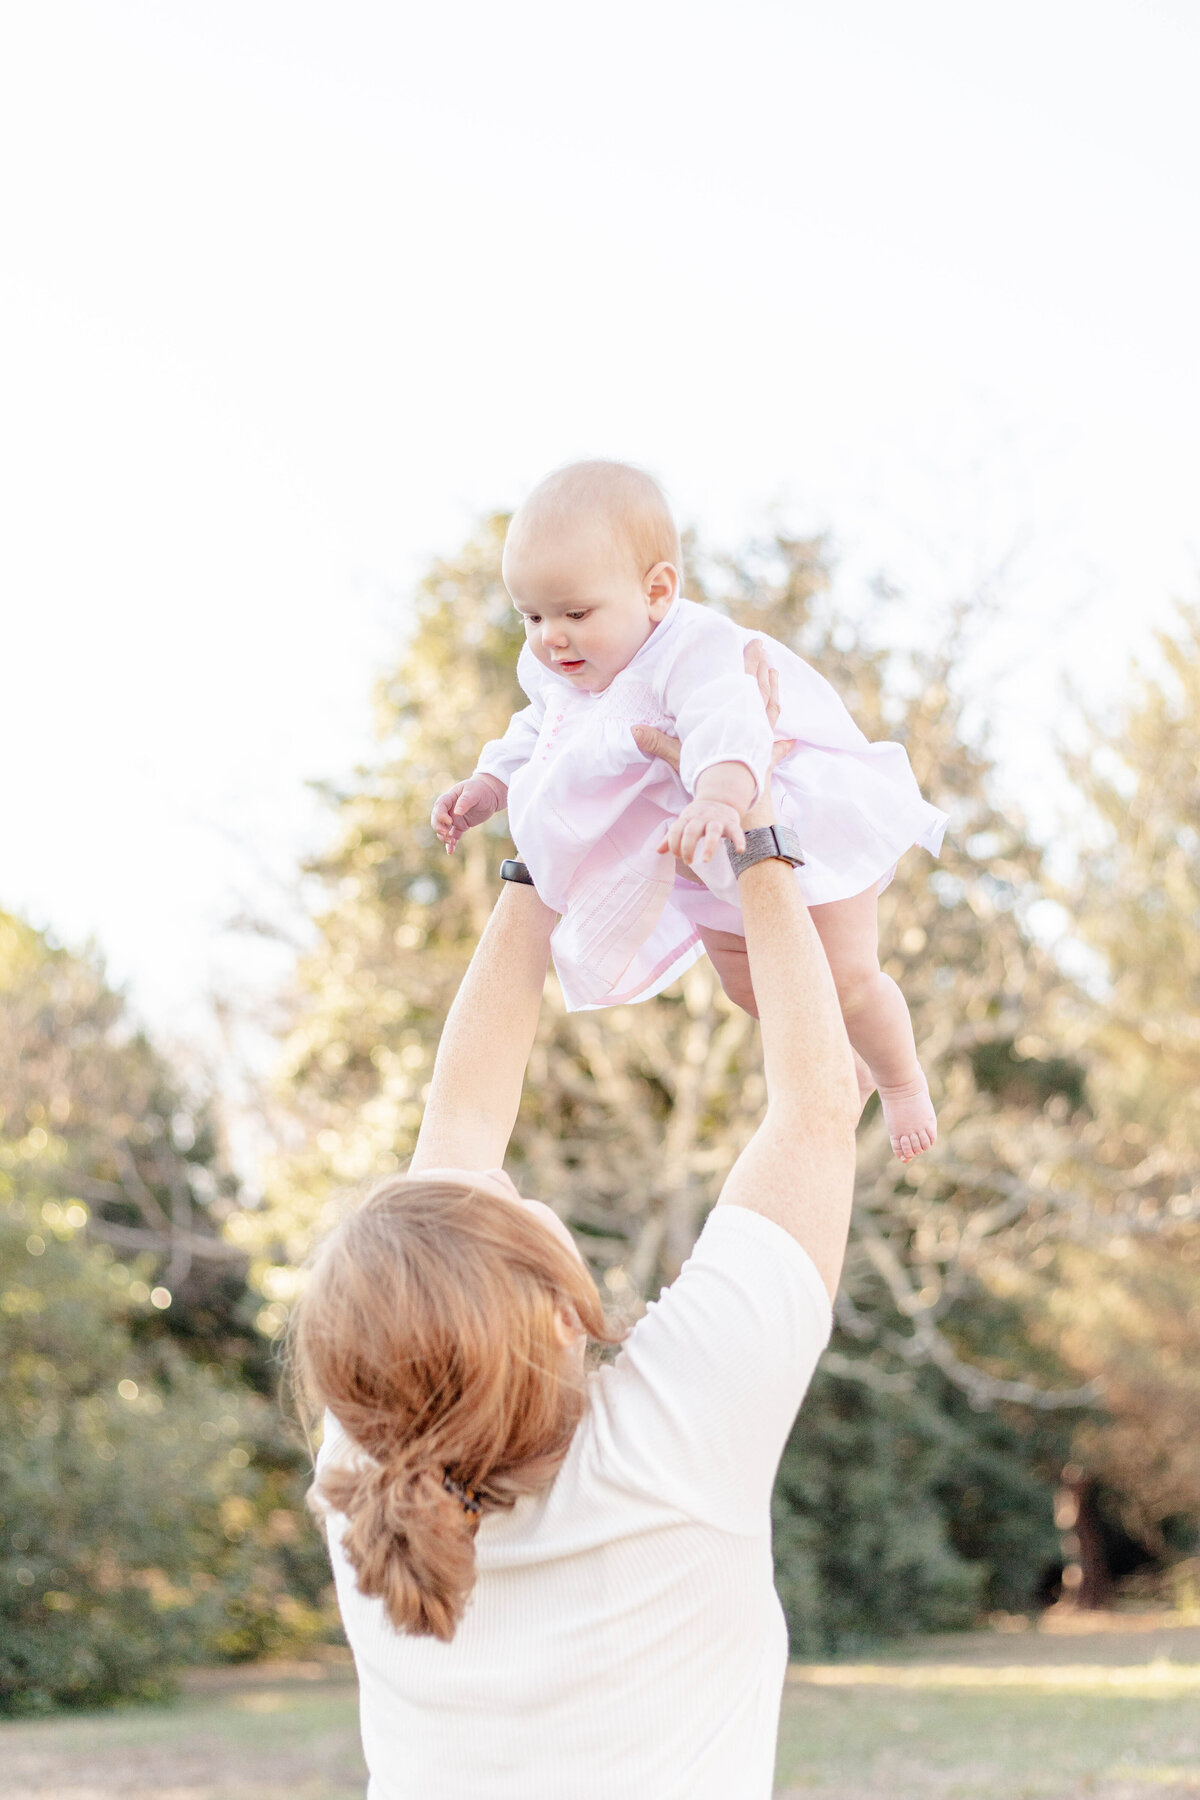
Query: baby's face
x: 587, y: 612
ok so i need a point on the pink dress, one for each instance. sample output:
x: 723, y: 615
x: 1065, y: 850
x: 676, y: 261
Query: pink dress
x: 587, y: 809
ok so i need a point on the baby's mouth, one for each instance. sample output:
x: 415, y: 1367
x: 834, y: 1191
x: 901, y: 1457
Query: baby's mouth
x: 570, y: 668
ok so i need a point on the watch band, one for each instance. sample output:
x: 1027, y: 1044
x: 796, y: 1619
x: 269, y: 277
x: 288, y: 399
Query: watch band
x: 511, y: 870
x: 763, y: 843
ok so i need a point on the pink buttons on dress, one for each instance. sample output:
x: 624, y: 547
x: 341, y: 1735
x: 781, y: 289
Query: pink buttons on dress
x: 554, y: 731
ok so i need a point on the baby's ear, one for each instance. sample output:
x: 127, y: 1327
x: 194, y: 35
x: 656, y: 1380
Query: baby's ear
x: 660, y: 587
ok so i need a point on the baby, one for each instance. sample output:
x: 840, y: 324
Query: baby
x: 614, y: 654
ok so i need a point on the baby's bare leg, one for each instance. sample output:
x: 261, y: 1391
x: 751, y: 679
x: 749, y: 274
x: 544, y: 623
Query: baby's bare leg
x: 727, y: 953
x: 877, y: 1020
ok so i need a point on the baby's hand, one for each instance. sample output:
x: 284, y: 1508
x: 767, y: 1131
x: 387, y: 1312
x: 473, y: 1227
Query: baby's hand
x: 467, y: 803
x: 694, y: 836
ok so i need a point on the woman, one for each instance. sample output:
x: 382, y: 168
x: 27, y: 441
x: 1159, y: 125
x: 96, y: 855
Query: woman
x: 559, y: 1584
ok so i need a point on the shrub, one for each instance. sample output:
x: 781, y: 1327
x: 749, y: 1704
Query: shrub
x: 903, y: 1513
x: 148, y: 1512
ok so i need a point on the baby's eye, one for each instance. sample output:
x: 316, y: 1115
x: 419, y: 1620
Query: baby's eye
x: 533, y: 618
x: 577, y: 615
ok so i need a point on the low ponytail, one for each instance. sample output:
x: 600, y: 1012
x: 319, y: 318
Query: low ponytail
x: 410, y: 1541
x: 429, y: 1330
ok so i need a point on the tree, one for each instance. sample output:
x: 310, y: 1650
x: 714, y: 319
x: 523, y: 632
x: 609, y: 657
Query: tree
x: 149, y: 1501
x: 113, y: 1130
x: 1126, y: 1310
x: 632, y: 1116
x: 899, y: 1507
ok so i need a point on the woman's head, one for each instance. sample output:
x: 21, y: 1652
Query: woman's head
x: 440, y: 1327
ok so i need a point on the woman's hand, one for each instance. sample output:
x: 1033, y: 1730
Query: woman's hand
x: 467, y: 803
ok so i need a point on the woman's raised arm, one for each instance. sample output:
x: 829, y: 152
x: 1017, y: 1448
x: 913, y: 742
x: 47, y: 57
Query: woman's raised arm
x: 798, y: 1168
x: 486, y: 1040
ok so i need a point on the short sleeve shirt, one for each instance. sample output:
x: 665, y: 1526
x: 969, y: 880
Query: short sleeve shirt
x: 624, y: 1640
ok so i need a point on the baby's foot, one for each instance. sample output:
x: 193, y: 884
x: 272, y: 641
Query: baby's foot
x: 909, y: 1116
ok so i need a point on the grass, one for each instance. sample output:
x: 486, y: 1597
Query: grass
x: 1056, y: 1715
x: 1113, y: 1714
x: 262, y: 1735
x: 980, y: 1744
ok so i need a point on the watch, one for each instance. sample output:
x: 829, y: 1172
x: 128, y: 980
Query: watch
x: 512, y: 870
x: 763, y: 843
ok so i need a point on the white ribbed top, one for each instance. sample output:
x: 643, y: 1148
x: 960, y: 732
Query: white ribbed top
x: 624, y: 1640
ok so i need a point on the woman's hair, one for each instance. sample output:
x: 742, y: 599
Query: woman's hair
x: 429, y: 1331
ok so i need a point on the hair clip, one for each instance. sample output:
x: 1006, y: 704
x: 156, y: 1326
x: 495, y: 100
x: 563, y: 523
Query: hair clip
x: 467, y: 1498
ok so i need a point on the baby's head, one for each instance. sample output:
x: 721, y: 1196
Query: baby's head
x: 592, y: 561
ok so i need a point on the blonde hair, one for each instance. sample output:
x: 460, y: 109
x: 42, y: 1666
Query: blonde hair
x: 429, y: 1330
x: 626, y: 502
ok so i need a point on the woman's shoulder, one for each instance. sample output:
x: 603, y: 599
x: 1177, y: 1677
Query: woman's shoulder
x: 701, y: 1397
x: 739, y: 1256
x: 748, y: 1250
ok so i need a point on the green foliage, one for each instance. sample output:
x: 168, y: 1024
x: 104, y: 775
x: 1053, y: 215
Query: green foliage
x: 146, y: 1514
x: 1124, y: 1306
x: 150, y: 1502
x: 899, y: 1509
x: 861, y: 1549
x: 105, y: 1124
x: 1140, y: 895
x: 999, y: 1069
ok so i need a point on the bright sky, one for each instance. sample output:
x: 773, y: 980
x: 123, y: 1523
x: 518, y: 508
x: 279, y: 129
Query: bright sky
x: 293, y: 291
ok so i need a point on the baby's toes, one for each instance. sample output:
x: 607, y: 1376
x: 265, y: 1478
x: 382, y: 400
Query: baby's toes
x: 909, y: 1116
x: 908, y: 1148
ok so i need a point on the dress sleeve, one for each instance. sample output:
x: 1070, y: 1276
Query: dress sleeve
x: 698, y: 1405
x: 717, y: 708
x: 503, y: 756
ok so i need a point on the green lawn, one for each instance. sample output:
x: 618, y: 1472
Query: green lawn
x: 263, y: 1739
x: 1113, y: 1714
x: 996, y: 1742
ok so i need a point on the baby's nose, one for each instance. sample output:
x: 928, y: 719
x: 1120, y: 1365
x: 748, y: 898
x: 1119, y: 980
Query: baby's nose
x: 555, y: 635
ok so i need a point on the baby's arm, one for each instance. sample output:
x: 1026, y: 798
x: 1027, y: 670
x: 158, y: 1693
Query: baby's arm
x: 724, y: 792
x: 726, y: 740
x: 485, y: 792
x: 467, y: 803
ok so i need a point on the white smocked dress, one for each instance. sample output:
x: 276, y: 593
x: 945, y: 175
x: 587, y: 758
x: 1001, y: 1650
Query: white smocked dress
x: 587, y: 809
